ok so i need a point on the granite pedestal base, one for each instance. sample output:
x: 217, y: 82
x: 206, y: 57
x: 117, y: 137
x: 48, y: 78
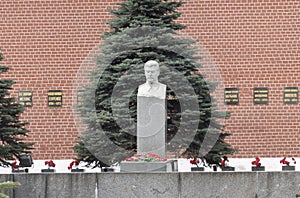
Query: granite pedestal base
x: 77, y: 170
x: 288, y: 168
x: 197, y: 168
x: 132, y: 166
x: 107, y: 169
x: 48, y: 170
x: 19, y: 171
x: 228, y: 168
x: 258, y: 168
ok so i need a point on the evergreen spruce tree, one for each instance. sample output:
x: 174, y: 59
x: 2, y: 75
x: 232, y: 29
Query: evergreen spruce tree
x: 12, y: 130
x: 145, y: 30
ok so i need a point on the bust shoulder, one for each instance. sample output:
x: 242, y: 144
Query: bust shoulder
x: 157, y: 91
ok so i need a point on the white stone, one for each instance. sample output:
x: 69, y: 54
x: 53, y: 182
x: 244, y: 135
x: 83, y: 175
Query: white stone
x: 151, y: 113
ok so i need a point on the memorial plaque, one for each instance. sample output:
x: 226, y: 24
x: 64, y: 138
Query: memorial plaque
x: 25, y: 98
x: 290, y: 95
x: 260, y: 95
x: 231, y: 96
x: 54, y: 98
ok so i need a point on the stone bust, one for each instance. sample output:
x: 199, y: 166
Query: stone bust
x: 152, y: 88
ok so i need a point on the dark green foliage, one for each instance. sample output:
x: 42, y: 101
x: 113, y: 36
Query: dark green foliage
x: 12, y: 130
x: 141, y: 31
x: 135, y: 13
x: 4, y: 186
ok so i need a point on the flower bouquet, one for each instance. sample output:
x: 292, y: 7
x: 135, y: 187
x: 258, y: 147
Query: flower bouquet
x: 51, y: 166
x: 196, y: 162
x: 148, y: 162
x: 225, y: 165
x: 73, y: 166
x: 15, y: 168
x: 287, y: 166
x: 148, y: 157
x: 257, y: 165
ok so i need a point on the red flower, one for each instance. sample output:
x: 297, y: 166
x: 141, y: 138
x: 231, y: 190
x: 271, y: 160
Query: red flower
x: 129, y: 159
x: 50, y: 163
x: 195, y: 161
x: 287, y: 163
x: 153, y: 155
x: 256, y: 162
x: 136, y: 155
x: 164, y: 159
x: 284, y: 161
x: 223, y: 163
x: 148, y: 157
x: 75, y: 162
x: 14, y: 165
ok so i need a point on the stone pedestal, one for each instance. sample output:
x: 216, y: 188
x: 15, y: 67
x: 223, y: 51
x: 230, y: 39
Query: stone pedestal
x: 107, y: 169
x: 197, y: 168
x: 151, y: 125
x: 288, y: 168
x: 258, y: 168
x: 77, y: 170
x: 228, y: 168
x: 19, y: 171
x: 160, y: 166
x: 48, y: 170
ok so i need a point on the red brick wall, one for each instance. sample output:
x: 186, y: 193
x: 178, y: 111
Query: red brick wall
x: 44, y: 44
x: 253, y: 43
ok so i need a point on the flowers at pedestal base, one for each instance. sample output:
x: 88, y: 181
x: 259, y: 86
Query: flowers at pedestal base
x: 284, y: 161
x: 15, y: 167
x: 257, y: 165
x: 73, y: 166
x: 256, y: 162
x: 225, y: 165
x: 287, y: 166
x: 148, y: 157
x: 196, y: 161
x: 50, y: 165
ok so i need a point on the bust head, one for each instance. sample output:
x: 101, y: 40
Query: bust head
x: 152, y: 88
x: 151, y: 68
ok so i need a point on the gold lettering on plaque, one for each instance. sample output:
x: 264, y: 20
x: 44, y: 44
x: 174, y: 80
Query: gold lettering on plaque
x: 25, y: 98
x: 260, y: 95
x: 290, y: 95
x: 54, y: 98
x: 231, y: 96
